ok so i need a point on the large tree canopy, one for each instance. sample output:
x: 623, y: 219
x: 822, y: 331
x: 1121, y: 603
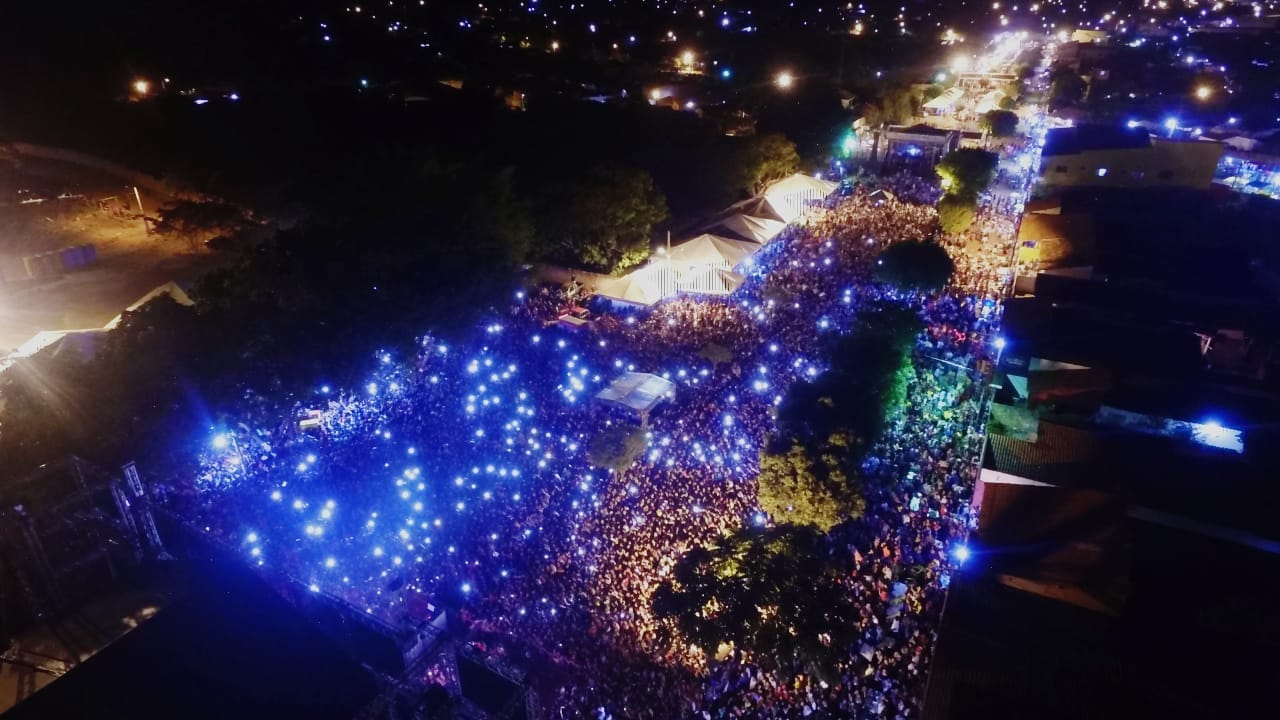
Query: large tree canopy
x: 811, y: 488
x: 190, y: 219
x: 915, y: 265
x: 968, y: 171
x: 774, y: 591
x: 956, y: 213
x: 861, y: 386
x: 1000, y: 123
x: 1066, y: 87
x: 602, y: 220
x: 895, y: 104
x: 763, y: 160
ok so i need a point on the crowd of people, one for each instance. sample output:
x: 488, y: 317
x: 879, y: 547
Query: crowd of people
x: 462, y: 474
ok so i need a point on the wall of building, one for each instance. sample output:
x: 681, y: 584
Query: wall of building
x: 1164, y: 164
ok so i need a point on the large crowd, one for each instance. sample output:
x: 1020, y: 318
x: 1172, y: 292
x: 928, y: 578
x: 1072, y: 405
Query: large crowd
x: 461, y: 474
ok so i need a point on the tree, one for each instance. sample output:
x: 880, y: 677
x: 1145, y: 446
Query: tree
x: 956, y: 213
x: 1007, y: 102
x: 914, y: 265
x: 856, y: 394
x: 895, y: 105
x: 602, y: 220
x: 616, y: 447
x: 967, y: 172
x: 1065, y: 87
x: 190, y: 219
x: 797, y: 488
x: 1000, y: 123
x: 762, y: 161
x: 775, y: 591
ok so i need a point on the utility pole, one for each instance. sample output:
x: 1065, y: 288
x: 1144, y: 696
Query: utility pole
x: 138, y: 196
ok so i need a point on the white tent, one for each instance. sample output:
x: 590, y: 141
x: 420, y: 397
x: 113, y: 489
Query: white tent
x: 945, y: 102
x: 638, y: 391
x: 749, y: 227
x: 990, y: 101
x: 644, y: 286
x: 790, y: 196
x: 711, y: 281
x: 711, y: 251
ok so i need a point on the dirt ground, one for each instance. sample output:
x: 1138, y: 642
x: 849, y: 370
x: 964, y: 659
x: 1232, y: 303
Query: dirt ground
x: 78, y: 206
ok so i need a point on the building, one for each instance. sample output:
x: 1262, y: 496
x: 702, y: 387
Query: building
x: 230, y: 648
x: 919, y: 142
x: 1114, y: 156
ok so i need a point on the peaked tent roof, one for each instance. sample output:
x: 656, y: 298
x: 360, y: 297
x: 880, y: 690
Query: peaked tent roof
x: 712, y: 281
x: 707, y: 249
x: 644, y: 286
x: 947, y: 99
x: 801, y: 183
x: 990, y: 101
x: 790, y: 195
x: 758, y: 207
x: 750, y: 227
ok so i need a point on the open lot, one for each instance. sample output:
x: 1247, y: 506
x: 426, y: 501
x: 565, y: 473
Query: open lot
x: 47, y: 205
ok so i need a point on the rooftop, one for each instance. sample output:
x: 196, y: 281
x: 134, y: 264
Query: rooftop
x: 1196, y: 608
x: 1081, y: 138
x: 234, y: 650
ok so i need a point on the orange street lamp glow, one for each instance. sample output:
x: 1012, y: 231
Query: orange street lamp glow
x: 142, y: 87
x: 784, y: 80
x: 1203, y: 92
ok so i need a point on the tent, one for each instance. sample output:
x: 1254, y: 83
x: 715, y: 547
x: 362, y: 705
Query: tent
x: 990, y: 101
x: 791, y: 195
x: 711, y: 251
x: 944, y: 103
x: 644, y: 286
x: 757, y: 207
x: 749, y: 227
x: 636, y: 391
x: 711, y: 281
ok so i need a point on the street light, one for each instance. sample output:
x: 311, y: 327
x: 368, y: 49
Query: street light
x: 784, y: 80
x: 1204, y: 92
x: 224, y: 439
x: 141, y: 86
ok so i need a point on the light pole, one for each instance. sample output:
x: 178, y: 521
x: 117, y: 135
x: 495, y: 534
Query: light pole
x: 138, y: 196
x: 222, y: 440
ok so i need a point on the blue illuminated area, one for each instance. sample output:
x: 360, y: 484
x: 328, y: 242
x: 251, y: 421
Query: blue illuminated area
x: 462, y: 469
x: 1213, y: 434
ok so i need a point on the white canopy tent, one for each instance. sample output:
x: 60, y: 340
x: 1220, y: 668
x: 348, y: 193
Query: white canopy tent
x: 711, y: 281
x: 757, y: 207
x: 990, y: 101
x: 790, y: 196
x: 708, y: 250
x: 639, y: 392
x: 644, y: 286
x: 945, y: 102
x: 750, y: 227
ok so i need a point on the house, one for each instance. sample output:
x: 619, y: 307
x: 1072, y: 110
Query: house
x: 1116, y: 156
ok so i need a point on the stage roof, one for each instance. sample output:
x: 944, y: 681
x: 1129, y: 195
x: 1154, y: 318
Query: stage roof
x: 233, y: 649
x: 638, y: 391
x: 707, y: 249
